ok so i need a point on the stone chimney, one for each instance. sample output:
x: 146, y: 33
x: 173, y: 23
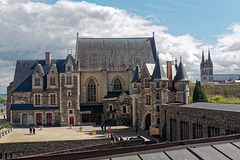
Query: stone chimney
x: 78, y: 65
x: 47, y: 57
x: 169, y: 73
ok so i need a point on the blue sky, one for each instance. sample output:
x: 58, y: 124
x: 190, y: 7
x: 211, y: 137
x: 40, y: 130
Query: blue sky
x: 203, y: 19
x: 29, y: 28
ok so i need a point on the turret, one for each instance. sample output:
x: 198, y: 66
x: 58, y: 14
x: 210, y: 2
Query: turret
x: 181, y: 84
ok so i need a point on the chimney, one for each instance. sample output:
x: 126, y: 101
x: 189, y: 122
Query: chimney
x: 47, y: 57
x: 169, y: 73
x: 78, y: 65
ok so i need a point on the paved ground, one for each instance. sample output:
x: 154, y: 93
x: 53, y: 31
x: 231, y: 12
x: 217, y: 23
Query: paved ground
x: 64, y: 133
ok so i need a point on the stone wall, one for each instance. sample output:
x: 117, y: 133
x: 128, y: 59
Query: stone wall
x: 223, y: 120
x: 224, y: 90
x: 16, y: 150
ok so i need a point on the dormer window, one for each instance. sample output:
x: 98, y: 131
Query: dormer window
x: 68, y: 68
x: 52, y: 72
x: 52, y: 81
x: 37, y: 82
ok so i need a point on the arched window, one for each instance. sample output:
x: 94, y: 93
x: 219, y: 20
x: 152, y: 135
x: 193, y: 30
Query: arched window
x: 117, y: 84
x: 91, y: 91
x: 110, y: 108
x: 124, y: 109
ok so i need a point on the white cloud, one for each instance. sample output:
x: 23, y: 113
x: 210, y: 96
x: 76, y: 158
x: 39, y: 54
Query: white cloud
x: 28, y: 29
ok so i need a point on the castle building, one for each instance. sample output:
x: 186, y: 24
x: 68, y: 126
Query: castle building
x: 110, y: 80
x: 206, y: 68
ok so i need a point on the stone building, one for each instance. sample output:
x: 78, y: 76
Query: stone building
x: 115, y: 80
x: 199, y: 120
x: 206, y: 68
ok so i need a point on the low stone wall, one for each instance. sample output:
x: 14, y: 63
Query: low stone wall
x: 16, y: 150
x: 224, y: 90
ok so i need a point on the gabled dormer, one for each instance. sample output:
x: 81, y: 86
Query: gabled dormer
x: 136, y: 81
x: 68, y: 64
x: 52, y: 76
x: 37, y: 77
x: 146, y: 73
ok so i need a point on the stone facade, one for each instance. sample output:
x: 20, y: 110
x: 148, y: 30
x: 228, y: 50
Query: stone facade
x: 211, y: 122
x: 90, y: 89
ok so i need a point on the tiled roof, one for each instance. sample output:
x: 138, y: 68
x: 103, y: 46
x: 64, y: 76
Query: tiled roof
x: 30, y: 107
x: 25, y: 68
x: 114, y: 54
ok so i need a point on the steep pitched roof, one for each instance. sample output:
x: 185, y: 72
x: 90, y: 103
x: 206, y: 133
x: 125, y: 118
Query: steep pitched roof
x: 25, y: 68
x: 136, y: 77
x: 114, y: 54
x: 181, y: 73
x: 158, y: 72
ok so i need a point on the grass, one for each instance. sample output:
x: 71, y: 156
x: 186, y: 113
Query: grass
x: 220, y: 99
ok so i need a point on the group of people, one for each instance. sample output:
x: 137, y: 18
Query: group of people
x: 32, y: 130
x: 115, y: 138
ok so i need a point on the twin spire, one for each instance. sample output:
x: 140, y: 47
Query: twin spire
x: 208, y: 62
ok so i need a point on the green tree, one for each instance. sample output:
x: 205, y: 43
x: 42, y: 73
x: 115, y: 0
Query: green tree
x: 199, y: 94
x: 2, y: 100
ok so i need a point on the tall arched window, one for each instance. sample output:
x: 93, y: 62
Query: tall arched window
x: 91, y: 91
x: 117, y: 84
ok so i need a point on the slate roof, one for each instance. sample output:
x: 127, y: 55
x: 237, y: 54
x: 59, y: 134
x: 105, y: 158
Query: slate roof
x: 181, y: 73
x: 158, y: 72
x: 114, y: 54
x: 30, y: 107
x: 214, y: 106
x: 136, y: 77
x: 114, y: 94
x: 25, y: 68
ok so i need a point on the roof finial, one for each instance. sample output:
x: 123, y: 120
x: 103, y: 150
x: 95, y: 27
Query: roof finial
x: 153, y: 34
x: 180, y: 58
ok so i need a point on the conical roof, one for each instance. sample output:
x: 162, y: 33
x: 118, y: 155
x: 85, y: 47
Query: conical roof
x: 136, y: 77
x: 158, y: 72
x: 181, y: 73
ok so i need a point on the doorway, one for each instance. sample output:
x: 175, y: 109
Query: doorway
x: 71, y: 120
x: 39, y: 119
x: 24, y: 119
x: 148, y: 121
x: 49, y: 119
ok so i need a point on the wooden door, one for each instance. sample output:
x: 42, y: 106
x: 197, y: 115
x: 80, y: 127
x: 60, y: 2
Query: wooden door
x: 49, y: 118
x: 148, y: 121
x: 71, y: 120
x: 39, y: 119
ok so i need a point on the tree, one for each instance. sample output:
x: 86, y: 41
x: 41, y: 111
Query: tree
x: 2, y: 100
x: 199, y: 94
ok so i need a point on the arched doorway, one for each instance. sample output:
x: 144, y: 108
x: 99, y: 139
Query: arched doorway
x: 148, y: 121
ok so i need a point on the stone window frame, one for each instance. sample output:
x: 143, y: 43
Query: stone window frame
x: 158, y: 96
x: 157, y: 108
x: 115, y: 85
x: 37, y: 98
x: 91, y: 91
x: 69, y: 68
x: 148, y: 99
x: 111, y: 109
x: 124, y: 111
x: 158, y: 85
x: 71, y: 110
x: 69, y: 103
x: 52, y: 81
x: 69, y: 93
x: 52, y: 99
x: 146, y: 83
x: 135, y: 85
x: 37, y: 81
x: 69, y: 80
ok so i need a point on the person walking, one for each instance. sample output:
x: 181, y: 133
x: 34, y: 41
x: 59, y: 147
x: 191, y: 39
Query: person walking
x: 102, y: 127
x: 136, y: 127
x: 34, y: 130
x: 30, y: 130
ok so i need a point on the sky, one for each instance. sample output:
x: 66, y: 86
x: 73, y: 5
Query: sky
x: 182, y: 28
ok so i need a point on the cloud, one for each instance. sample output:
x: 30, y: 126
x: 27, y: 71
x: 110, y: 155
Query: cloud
x: 29, y: 28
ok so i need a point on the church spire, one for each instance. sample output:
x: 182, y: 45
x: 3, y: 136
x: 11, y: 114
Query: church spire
x: 209, y: 57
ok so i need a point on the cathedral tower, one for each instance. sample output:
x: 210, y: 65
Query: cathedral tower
x: 206, y: 68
